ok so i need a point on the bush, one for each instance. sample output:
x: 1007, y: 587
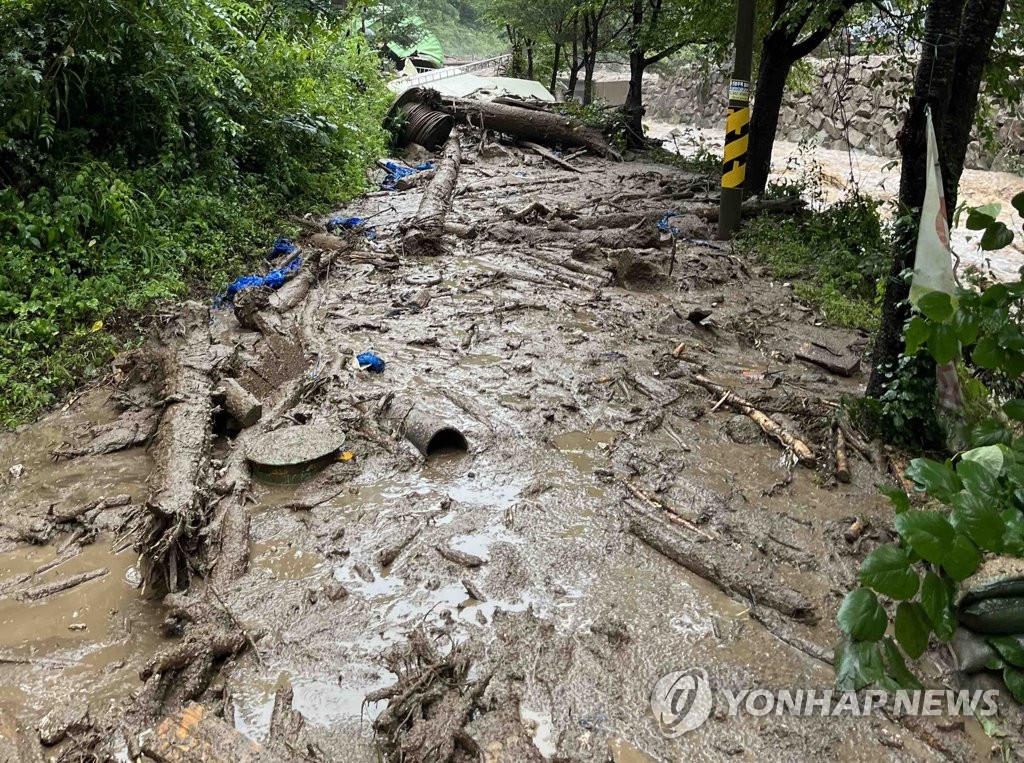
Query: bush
x: 148, y: 151
x: 840, y: 254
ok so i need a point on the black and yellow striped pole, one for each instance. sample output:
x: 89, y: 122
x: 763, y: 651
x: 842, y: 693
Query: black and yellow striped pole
x: 737, y: 123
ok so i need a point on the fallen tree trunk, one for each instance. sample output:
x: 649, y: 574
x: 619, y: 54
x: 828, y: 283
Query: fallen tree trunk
x: 49, y: 589
x: 423, y: 235
x: 759, y: 206
x: 723, y: 566
x: 240, y: 403
x: 768, y: 425
x: 550, y: 156
x: 643, y: 237
x: 175, y: 512
x: 528, y: 124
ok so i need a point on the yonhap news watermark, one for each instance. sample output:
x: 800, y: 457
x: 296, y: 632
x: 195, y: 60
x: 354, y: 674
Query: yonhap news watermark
x: 684, y: 700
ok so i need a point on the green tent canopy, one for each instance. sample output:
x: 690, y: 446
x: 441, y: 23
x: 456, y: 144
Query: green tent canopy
x: 426, y: 46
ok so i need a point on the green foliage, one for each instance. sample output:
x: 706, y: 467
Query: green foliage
x: 146, y: 151
x: 976, y: 499
x: 839, y: 255
x: 977, y: 506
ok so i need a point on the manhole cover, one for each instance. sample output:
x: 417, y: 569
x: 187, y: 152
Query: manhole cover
x: 294, y: 454
x: 423, y: 278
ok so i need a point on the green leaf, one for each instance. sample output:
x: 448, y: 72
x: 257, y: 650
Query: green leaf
x: 937, y: 601
x: 979, y: 218
x: 987, y: 353
x: 888, y: 570
x: 966, y: 327
x: 912, y: 628
x: 978, y: 520
x: 938, y: 480
x: 1010, y: 648
x: 900, y: 500
x: 861, y: 616
x: 989, y: 432
x: 917, y: 334
x: 962, y: 558
x: 1018, y: 203
x: 943, y: 343
x: 936, y: 306
x: 1014, y: 409
x: 896, y: 667
x: 989, y: 457
x: 858, y: 664
x: 927, y: 532
x: 996, y: 236
x: 1014, y: 680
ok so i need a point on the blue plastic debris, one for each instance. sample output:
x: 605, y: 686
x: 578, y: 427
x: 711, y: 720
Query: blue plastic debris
x: 281, y: 247
x: 351, y: 223
x: 369, y: 361
x: 274, y: 280
x: 666, y: 227
x: 396, y: 172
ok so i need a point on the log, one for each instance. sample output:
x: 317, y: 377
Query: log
x: 180, y: 483
x: 459, y: 557
x: 842, y: 464
x: 195, y: 735
x: 758, y: 206
x: 634, y: 238
x: 389, y: 554
x: 768, y: 425
x: 723, y: 566
x: 528, y: 124
x: 550, y: 156
x: 841, y: 364
x: 286, y: 723
x: 423, y: 234
x: 58, y: 586
x: 240, y: 403
x: 415, y: 179
x: 459, y: 230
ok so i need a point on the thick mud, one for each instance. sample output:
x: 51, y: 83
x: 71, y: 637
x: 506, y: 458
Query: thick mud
x: 567, y: 364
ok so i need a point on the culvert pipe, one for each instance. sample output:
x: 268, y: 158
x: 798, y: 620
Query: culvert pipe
x: 431, y: 427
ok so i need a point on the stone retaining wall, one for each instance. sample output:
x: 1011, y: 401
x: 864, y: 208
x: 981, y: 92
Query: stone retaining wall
x: 858, y: 103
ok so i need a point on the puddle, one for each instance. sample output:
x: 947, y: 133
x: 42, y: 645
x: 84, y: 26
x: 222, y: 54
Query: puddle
x: 85, y: 642
x: 284, y: 561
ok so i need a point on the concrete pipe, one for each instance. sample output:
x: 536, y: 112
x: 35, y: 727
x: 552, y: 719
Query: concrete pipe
x: 428, y: 426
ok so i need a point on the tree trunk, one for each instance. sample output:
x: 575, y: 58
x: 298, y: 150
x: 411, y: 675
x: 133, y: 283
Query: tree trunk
x: 529, y: 58
x: 948, y: 79
x: 776, y: 61
x: 576, y: 63
x: 590, y: 39
x: 554, y: 69
x: 633, y: 108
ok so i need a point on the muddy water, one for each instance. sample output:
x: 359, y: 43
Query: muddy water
x: 879, y: 177
x: 86, y: 643
x: 560, y: 403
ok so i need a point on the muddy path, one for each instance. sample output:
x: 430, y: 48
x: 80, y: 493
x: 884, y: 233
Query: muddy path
x: 512, y: 584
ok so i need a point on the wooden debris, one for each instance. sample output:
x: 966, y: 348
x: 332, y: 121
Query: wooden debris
x: 724, y: 566
x: 195, y: 735
x: 854, y: 531
x: 842, y: 364
x: 768, y: 425
x: 423, y: 235
x: 472, y: 590
x: 528, y: 124
x: 671, y: 513
x: 175, y: 511
x: 387, y: 555
x: 760, y: 206
x: 286, y: 723
x: 842, y: 465
x: 49, y: 589
x: 240, y: 403
x: 460, y: 557
x: 550, y: 156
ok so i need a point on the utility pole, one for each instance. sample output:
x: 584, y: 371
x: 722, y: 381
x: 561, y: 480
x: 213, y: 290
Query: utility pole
x: 737, y: 123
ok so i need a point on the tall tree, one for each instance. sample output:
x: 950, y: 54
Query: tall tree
x: 797, y: 28
x: 656, y: 29
x: 958, y: 41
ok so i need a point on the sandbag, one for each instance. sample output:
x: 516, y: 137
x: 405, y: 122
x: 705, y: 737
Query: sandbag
x: 999, y: 577
x: 973, y: 652
x: 997, y: 617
